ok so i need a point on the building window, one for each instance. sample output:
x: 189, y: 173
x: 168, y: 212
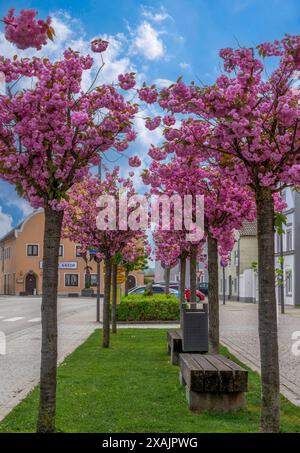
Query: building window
x: 77, y: 251
x: 61, y: 250
x: 289, y: 240
x: 32, y: 250
x: 71, y: 279
x: 278, y: 243
x: 288, y: 283
x: 93, y: 279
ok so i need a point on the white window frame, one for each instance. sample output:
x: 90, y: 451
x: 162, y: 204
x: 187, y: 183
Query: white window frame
x: 92, y: 273
x: 288, y: 282
x: 72, y: 286
x: 289, y: 239
x: 63, y: 250
x: 38, y: 249
x: 75, y: 253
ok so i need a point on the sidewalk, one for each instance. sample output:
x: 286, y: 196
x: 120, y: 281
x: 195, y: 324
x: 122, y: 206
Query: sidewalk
x: 239, y: 333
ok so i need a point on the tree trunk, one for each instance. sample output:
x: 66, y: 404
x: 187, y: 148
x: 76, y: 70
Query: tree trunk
x: 213, y: 295
x: 126, y: 281
x: 47, y: 403
x: 182, y: 284
x: 106, y: 303
x: 267, y: 313
x: 114, y: 299
x: 193, y: 274
x: 167, y: 278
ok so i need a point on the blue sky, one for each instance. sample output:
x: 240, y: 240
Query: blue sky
x: 160, y: 40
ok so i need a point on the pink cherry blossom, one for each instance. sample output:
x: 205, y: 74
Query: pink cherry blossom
x: 25, y: 31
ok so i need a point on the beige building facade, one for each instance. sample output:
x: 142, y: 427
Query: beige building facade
x: 21, y: 257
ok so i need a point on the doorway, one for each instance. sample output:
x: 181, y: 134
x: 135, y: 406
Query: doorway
x: 131, y: 281
x: 30, y: 284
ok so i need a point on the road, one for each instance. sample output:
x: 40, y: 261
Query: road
x: 20, y: 325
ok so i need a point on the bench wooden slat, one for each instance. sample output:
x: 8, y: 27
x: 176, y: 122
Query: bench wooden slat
x: 226, y: 374
x: 212, y: 373
x: 211, y: 378
x: 192, y: 374
x: 240, y: 374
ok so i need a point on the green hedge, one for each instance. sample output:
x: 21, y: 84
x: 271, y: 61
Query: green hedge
x: 138, y: 307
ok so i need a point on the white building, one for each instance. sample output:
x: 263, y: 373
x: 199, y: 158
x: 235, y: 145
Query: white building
x: 202, y: 274
x: 290, y: 249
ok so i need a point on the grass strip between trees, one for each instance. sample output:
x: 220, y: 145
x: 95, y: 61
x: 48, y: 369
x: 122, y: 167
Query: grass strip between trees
x: 132, y: 387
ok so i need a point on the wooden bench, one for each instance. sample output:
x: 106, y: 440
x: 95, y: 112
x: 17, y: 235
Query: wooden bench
x: 174, y: 342
x: 213, y: 382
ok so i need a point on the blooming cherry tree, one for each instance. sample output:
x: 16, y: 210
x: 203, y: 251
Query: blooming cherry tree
x: 249, y: 121
x: 49, y: 135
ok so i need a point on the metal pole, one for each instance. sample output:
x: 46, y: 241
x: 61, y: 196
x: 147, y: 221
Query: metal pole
x: 224, y: 297
x: 98, y: 262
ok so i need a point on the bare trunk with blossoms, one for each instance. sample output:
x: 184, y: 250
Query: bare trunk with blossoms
x: 193, y: 274
x: 106, y: 303
x: 267, y: 313
x: 47, y: 405
x: 167, y: 278
x: 126, y: 281
x: 182, y: 283
x: 114, y: 298
x: 213, y: 294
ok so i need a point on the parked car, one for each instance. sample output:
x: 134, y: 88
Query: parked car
x: 173, y: 285
x: 157, y: 289
x: 203, y: 287
x: 199, y: 295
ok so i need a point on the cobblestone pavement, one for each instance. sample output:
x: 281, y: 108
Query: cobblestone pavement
x: 239, y: 332
x: 19, y: 367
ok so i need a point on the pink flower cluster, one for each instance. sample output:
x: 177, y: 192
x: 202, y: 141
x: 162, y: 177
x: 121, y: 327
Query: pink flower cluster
x: 153, y: 123
x: 157, y: 153
x: 43, y: 150
x: 25, y: 31
x: 134, y: 161
x: 99, y: 45
x: 127, y: 81
x: 147, y: 94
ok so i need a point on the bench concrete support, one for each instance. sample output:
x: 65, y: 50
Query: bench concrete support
x: 213, y: 382
x: 174, y: 341
x: 223, y: 402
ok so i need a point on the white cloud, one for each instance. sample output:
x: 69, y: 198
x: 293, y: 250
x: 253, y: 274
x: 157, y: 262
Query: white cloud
x: 22, y: 204
x: 155, y: 16
x: 184, y: 65
x: 163, y: 83
x: 146, y: 42
x: 5, y: 222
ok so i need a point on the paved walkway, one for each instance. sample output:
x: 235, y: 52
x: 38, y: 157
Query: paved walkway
x: 239, y: 332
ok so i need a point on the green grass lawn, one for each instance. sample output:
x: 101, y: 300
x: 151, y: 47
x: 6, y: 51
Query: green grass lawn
x: 132, y: 387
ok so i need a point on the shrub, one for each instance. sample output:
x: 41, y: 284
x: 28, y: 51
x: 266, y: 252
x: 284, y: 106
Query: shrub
x: 138, y: 307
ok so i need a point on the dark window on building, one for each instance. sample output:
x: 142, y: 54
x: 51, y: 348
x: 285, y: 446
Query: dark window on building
x: 61, y: 250
x: 32, y: 250
x: 93, y: 279
x: 289, y: 240
x: 78, y: 248
x: 288, y: 283
x: 71, y: 279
